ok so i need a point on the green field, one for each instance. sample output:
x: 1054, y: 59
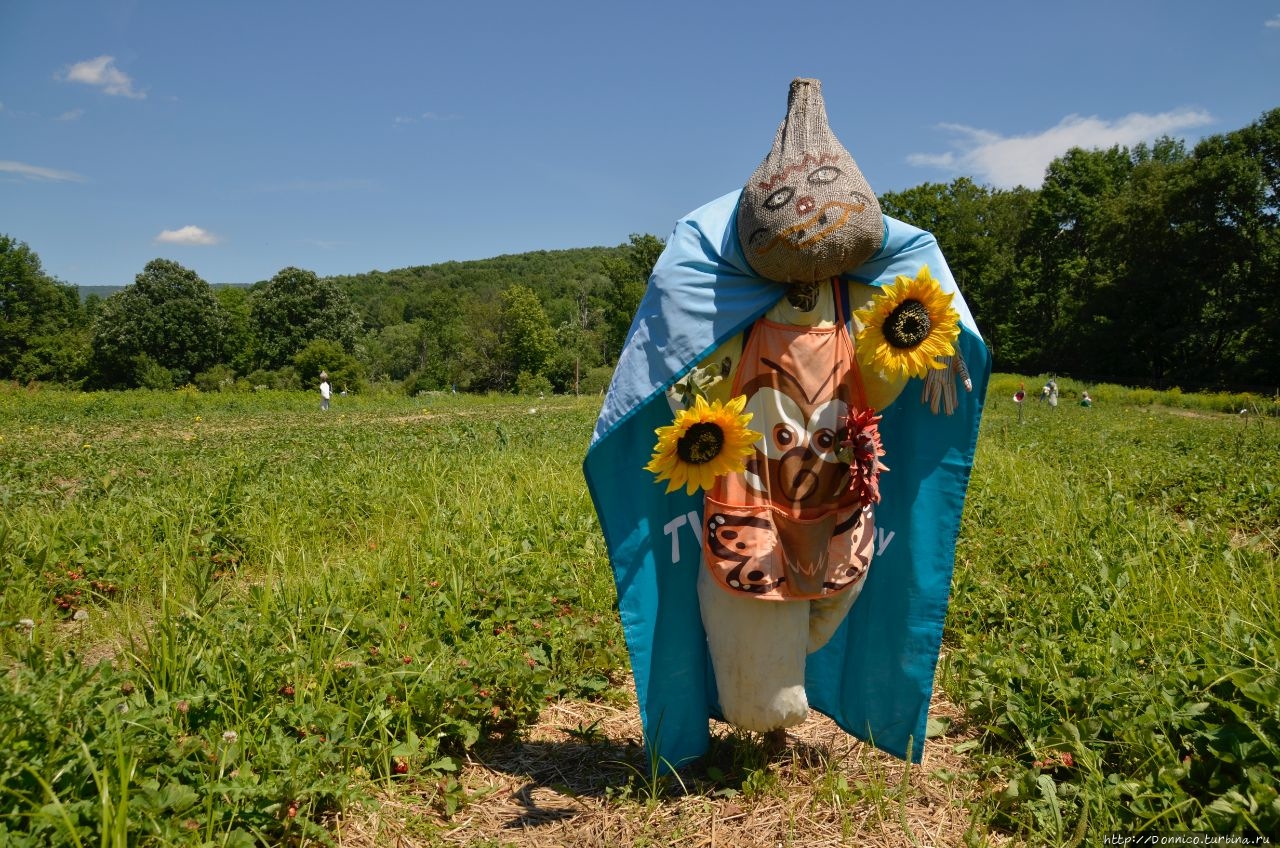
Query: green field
x: 1117, y: 599
x: 225, y: 618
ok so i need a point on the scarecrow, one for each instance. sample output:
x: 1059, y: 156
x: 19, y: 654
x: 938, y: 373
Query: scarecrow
x: 767, y: 559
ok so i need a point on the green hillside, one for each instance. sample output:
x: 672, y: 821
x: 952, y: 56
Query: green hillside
x: 393, y: 297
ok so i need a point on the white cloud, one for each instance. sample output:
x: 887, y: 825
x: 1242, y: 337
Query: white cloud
x: 70, y: 115
x: 324, y: 244
x: 35, y: 172
x: 1273, y: 23
x: 103, y: 73
x: 401, y: 120
x: 187, y: 235
x: 1006, y: 162
x: 318, y: 186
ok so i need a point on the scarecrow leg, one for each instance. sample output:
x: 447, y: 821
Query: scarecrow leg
x: 758, y: 653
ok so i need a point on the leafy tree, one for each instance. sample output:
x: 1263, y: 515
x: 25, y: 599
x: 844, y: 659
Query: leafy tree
x: 219, y: 378
x: 61, y: 357
x: 525, y: 338
x: 1232, y: 215
x: 149, y: 374
x: 997, y: 289
x: 980, y: 231
x: 385, y: 312
x: 1148, y: 315
x: 38, y: 316
x: 532, y: 385
x: 479, y: 365
x: 345, y: 373
x: 397, y: 351
x: 92, y: 304
x: 168, y: 320
x: 577, y: 351
x: 457, y: 334
x: 239, y: 344
x: 1069, y: 273
x: 628, y: 276
x: 296, y: 307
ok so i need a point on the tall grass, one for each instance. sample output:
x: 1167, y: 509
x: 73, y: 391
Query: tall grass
x: 293, y: 604
x: 225, y: 618
x: 1115, y: 622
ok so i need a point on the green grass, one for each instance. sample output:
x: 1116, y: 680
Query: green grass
x: 292, y: 601
x: 1116, y: 606
x: 226, y: 618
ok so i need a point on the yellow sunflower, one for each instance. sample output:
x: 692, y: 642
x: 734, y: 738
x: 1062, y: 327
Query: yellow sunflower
x: 704, y: 442
x: 907, y: 327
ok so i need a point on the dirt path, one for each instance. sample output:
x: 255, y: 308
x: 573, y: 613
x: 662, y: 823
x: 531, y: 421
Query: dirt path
x: 567, y: 788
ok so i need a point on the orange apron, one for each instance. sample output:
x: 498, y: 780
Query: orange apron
x: 787, y: 527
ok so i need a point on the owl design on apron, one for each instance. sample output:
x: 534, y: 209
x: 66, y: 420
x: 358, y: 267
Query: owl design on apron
x: 789, y: 527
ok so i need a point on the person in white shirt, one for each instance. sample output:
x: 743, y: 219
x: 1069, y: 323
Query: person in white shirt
x: 324, y: 391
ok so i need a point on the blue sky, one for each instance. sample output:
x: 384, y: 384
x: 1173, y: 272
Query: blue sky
x: 239, y: 138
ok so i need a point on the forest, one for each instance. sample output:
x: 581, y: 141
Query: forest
x: 1151, y: 266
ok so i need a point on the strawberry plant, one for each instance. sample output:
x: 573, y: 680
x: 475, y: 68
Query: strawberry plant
x: 1114, y: 623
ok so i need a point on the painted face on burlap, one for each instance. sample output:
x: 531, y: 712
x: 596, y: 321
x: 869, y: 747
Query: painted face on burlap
x: 807, y: 213
x: 803, y: 216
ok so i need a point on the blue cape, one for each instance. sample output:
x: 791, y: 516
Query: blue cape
x: 875, y: 676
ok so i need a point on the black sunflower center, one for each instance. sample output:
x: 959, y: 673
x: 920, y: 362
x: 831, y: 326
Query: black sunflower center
x: 908, y: 325
x: 701, y: 443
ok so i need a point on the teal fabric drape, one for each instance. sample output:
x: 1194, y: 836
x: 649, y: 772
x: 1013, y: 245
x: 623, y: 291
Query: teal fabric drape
x: 875, y: 676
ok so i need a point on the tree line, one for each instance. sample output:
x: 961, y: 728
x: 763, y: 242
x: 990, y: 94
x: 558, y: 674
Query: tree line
x: 1151, y: 265
x: 548, y: 321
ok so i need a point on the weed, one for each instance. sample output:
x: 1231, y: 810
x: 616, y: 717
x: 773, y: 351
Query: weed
x: 292, y: 616
x: 296, y: 610
x: 1114, y: 623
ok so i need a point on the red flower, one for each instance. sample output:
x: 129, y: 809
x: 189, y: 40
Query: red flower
x: 864, y: 450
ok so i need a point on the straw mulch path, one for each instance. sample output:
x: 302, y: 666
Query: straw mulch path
x: 564, y: 786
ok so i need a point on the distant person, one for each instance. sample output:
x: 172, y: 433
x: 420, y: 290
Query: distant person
x: 325, y: 391
x: 1053, y: 393
x: 1085, y: 400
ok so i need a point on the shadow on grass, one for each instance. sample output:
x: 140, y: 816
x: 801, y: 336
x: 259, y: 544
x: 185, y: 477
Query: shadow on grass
x: 558, y: 778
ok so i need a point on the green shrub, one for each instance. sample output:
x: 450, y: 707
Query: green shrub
x: 219, y: 378
x: 294, y: 607
x: 1115, y: 619
x: 533, y: 385
x: 595, y: 381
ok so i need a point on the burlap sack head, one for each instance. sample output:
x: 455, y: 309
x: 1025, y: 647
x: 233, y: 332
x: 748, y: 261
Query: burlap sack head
x: 807, y: 213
